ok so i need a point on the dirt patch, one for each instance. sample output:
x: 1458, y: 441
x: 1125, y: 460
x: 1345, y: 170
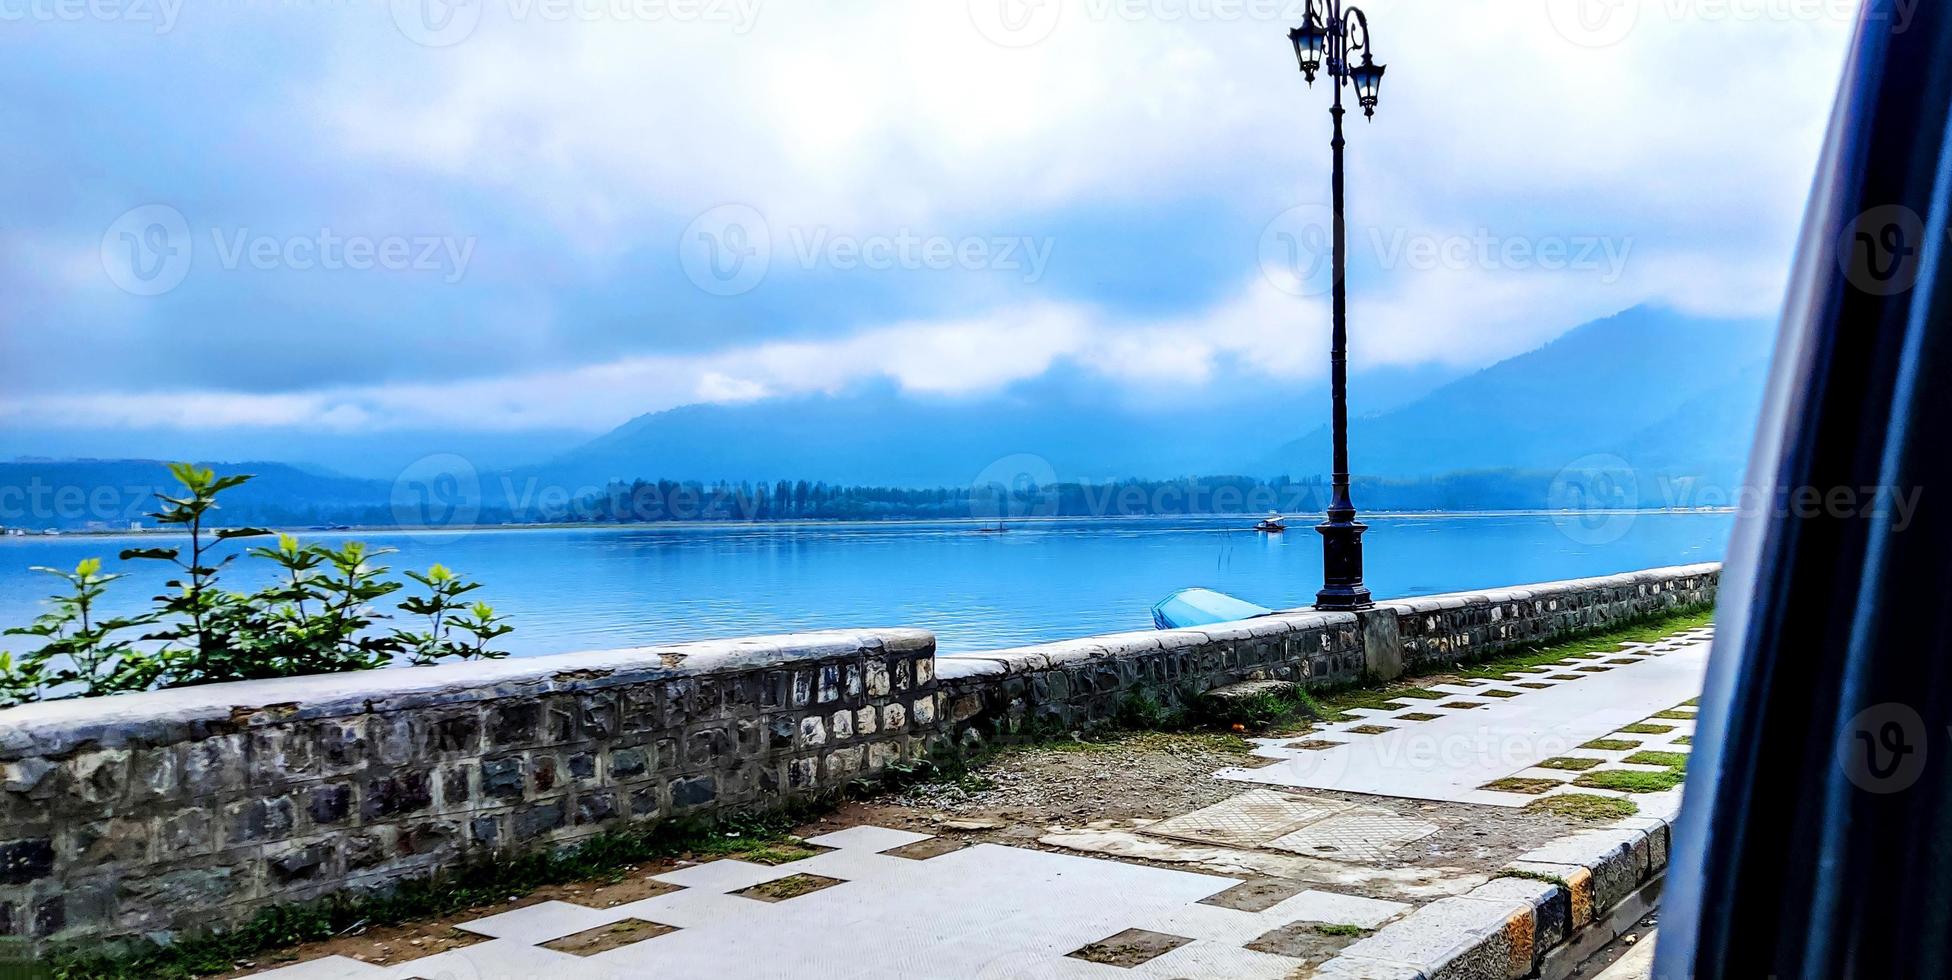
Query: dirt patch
x: 380, y: 946
x: 792, y: 886
x: 1023, y: 791
x: 603, y: 939
x: 1256, y: 895
x: 922, y: 850
x: 1311, y: 941
x: 1130, y: 948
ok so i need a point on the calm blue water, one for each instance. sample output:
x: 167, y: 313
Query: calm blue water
x: 569, y: 590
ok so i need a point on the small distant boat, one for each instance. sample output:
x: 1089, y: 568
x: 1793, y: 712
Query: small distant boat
x: 1202, y: 607
x: 1272, y: 524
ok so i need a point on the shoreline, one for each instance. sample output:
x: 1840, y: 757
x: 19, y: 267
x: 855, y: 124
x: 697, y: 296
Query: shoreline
x: 894, y: 522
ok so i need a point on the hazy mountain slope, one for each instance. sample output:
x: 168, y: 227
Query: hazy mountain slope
x: 1610, y: 385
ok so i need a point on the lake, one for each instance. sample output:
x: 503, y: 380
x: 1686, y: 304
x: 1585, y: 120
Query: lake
x: 583, y: 589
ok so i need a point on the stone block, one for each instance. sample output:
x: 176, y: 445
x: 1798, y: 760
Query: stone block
x: 505, y: 778
x: 694, y: 792
x: 514, y: 723
x: 26, y: 861
x: 530, y: 822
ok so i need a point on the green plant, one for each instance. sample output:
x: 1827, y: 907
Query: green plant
x: 80, y: 650
x: 318, y: 616
x: 446, y: 616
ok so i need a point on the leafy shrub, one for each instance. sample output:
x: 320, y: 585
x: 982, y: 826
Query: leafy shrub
x: 319, y: 616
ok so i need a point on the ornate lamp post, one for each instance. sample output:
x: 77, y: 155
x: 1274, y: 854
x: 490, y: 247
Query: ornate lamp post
x: 1336, y: 34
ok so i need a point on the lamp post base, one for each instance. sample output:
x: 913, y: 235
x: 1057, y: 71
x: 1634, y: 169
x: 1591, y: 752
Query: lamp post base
x: 1342, y: 588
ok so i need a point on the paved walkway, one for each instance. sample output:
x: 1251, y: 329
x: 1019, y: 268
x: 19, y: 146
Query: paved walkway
x: 880, y: 904
x: 1485, y: 734
x: 983, y: 911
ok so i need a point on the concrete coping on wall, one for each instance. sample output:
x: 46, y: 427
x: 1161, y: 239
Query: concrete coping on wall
x: 1543, y: 590
x: 159, y: 717
x: 1046, y: 656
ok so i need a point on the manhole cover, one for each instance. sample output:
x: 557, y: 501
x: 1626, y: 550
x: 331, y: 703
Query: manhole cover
x: 1248, y: 820
x: 1365, y: 835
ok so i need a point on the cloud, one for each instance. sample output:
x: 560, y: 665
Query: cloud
x: 576, y: 146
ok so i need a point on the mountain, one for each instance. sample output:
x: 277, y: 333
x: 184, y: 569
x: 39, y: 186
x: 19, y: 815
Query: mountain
x: 1075, y: 427
x: 1654, y: 387
x: 112, y: 494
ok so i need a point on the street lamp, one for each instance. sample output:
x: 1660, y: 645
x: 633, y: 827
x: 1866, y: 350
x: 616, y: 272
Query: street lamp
x: 1333, y: 35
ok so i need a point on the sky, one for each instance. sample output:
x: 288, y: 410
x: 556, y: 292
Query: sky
x: 249, y: 223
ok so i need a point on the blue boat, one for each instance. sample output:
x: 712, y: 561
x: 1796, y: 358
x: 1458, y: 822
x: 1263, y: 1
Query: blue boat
x: 1202, y: 607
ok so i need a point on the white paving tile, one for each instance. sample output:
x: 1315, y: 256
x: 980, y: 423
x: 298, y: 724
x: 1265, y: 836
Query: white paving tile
x: 541, y: 923
x: 329, y: 968
x: 1315, y: 905
x: 724, y: 875
x: 1206, y: 958
x: 500, y: 960
x: 1212, y: 922
x: 869, y: 838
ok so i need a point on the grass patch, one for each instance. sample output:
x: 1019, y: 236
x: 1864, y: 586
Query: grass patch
x: 1623, y: 781
x: 1585, y: 806
x: 1691, y: 703
x: 1612, y: 744
x: 781, y: 853
x: 1536, y: 875
x: 1535, y: 685
x: 1643, y: 728
x: 1517, y: 784
x: 1340, y: 929
x: 1371, y: 729
x: 1263, y: 711
x: 1672, y: 760
x: 1418, y: 716
x: 1569, y: 762
x: 1500, y: 694
x: 1684, y: 740
x: 1674, y: 714
x: 1582, y: 648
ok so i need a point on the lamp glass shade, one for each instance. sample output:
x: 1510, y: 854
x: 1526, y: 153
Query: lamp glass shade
x: 1310, y: 39
x: 1368, y: 77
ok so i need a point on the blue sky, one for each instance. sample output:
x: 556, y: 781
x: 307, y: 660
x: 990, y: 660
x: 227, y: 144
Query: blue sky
x: 499, y: 219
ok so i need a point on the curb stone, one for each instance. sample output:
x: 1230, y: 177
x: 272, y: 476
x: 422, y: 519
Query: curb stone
x: 1506, y: 928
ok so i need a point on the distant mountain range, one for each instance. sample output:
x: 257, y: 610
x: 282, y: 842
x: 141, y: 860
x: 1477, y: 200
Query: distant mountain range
x: 1662, y: 394
x: 1652, y: 387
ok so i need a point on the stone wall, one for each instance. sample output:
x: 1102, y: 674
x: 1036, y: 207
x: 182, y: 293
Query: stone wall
x: 1079, y: 683
x: 151, y: 813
